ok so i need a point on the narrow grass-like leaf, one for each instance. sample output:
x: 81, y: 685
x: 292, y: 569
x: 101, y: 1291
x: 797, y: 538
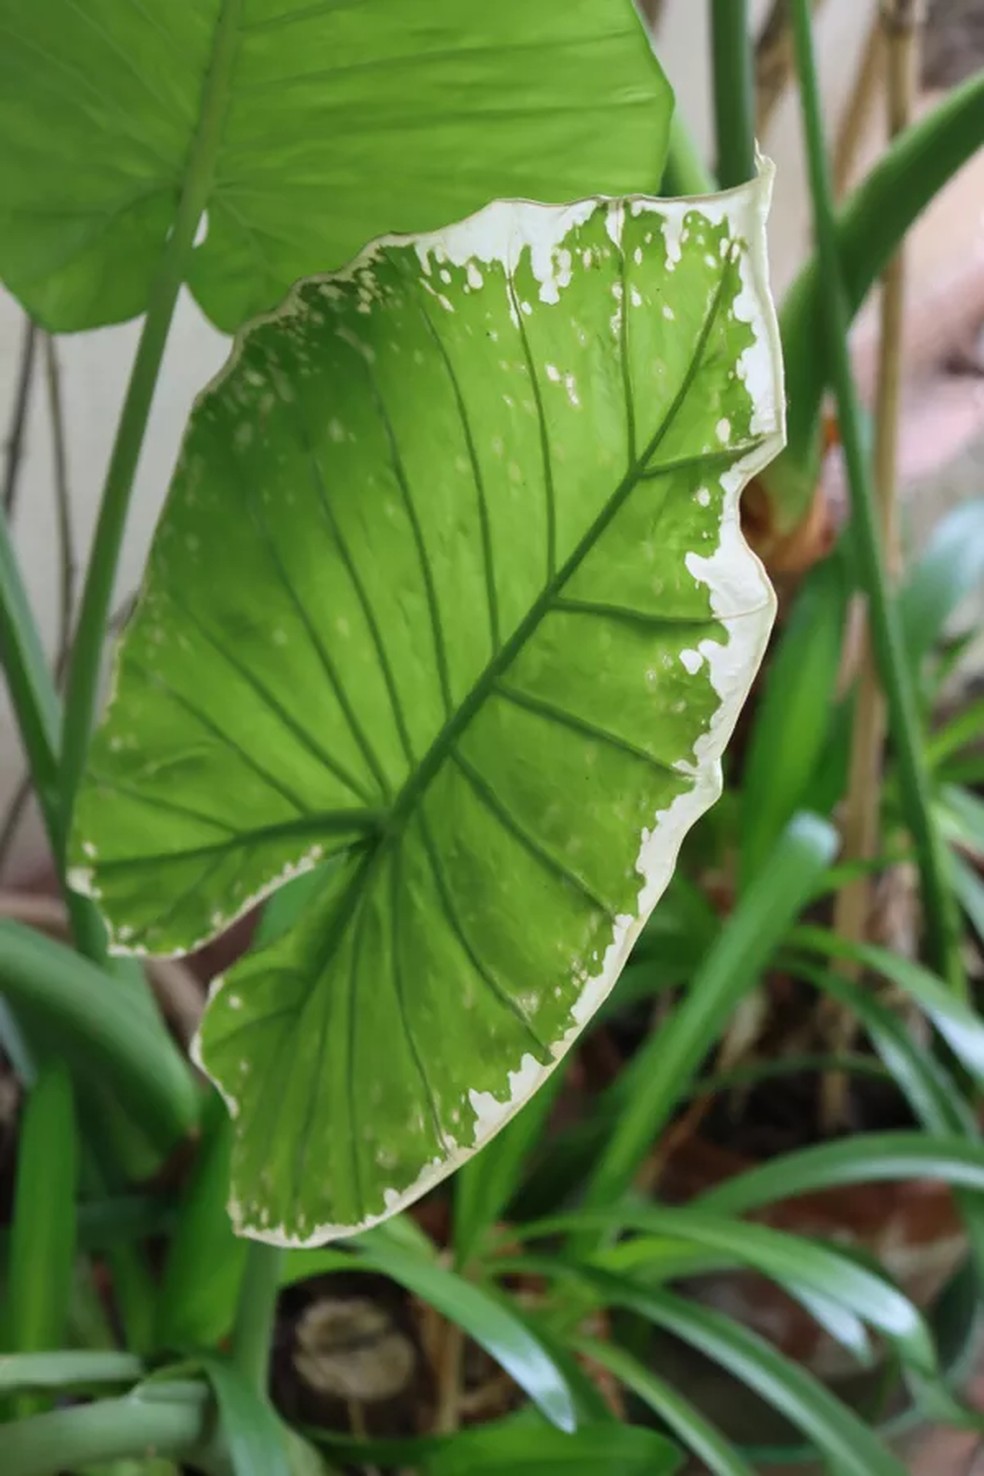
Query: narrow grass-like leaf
x: 959, y: 1025
x: 487, y: 1318
x: 522, y: 1450
x: 716, y: 1454
x: 864, y: 1159
x: 840, y: 1436
x: 203, y: 1269
x: 670, y: 1059
x: 67, y: 1370
x: 41, y: 1259
x: 104, y: 1024
x: 799, y: 1265
x: 254, y: 1438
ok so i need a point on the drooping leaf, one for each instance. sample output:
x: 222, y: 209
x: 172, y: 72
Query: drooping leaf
x: 303, y: 130
x: 450, y: 585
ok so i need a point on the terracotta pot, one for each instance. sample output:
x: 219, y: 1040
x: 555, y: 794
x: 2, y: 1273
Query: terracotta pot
x: 912, y: 1229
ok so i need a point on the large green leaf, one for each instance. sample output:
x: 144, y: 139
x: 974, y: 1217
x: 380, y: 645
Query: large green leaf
x: 303, y: 127
x: 450, y: 587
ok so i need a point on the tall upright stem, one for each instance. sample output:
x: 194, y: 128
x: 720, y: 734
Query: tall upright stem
x: 861, y: 825
x: 84, y: 667
x: 734, y: 91
x: 941, y: 918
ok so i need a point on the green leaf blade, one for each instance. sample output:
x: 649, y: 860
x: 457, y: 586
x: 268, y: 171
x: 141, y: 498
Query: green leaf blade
x: 490, y: 625
x: 116, y: 106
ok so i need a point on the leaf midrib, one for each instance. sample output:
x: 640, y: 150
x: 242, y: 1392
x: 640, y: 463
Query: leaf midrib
x: 443, y: 743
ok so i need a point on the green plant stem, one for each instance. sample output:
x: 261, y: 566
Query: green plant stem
x: 253, y: 1331
x: 84, y: 667
x: 734, y: 91
x: 43, y: 1225
x: 107, y: 1430
x: 869, y: 228
x: 942, y: 923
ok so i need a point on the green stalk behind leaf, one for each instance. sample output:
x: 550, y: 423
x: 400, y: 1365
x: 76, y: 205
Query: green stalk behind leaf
x: 942, y: 923
x: 673, y: 1054
x: 868, y: 232
x: 734, y: 91
x: 84, y: 668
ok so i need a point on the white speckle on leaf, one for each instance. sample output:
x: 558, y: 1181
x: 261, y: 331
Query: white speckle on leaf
x: 336, y: 430
x: 703, y: 496
x: 723, y: 430
x: 668, y: 312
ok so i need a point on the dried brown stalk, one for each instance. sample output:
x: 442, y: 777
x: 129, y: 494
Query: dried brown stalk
x: 900, y: 23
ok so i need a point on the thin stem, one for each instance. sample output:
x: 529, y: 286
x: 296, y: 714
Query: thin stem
x: 84, y: 667
x: 18, y: 418
x: 63, y: 507
x: 774, y: 64
x: 734, y: 91
x: 107, y: 1430
x: 857, y: 116
x: 861, y: 829
x: 253, y: 1332
x: 942, y: 923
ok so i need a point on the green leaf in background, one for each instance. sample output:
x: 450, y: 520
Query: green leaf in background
x: 706, y: 1443
x: 663, y: 1069
x: 846, y: 1443
x: 490, y: 1320
x: 810, y: 1271
x: 204, y: 1264
x: 255, y: 1439
x: 40, y: 1263
x: 524, y: 1450
x: 67, y: 1370
x: 867, y: 1158
x: 957, y: 1023
x: 950, y: 568
x: 451, y: 585
x: 791, y: 729
x: 303, y: 130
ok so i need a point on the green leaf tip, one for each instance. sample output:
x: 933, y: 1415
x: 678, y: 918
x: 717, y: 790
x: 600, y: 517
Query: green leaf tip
x: 450, y: 591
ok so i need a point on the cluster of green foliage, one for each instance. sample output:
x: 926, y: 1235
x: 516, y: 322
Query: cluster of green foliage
x: 449, y: 609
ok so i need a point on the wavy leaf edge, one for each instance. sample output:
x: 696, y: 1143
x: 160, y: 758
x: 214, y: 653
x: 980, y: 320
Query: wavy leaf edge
x: 733, y: 575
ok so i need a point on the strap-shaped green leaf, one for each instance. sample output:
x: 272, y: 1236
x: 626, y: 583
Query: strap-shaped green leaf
x: 303, y: 128
x: 450, y: 590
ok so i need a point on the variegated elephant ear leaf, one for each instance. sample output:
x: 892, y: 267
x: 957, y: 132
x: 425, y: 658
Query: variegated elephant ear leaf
x: 450, y: 592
